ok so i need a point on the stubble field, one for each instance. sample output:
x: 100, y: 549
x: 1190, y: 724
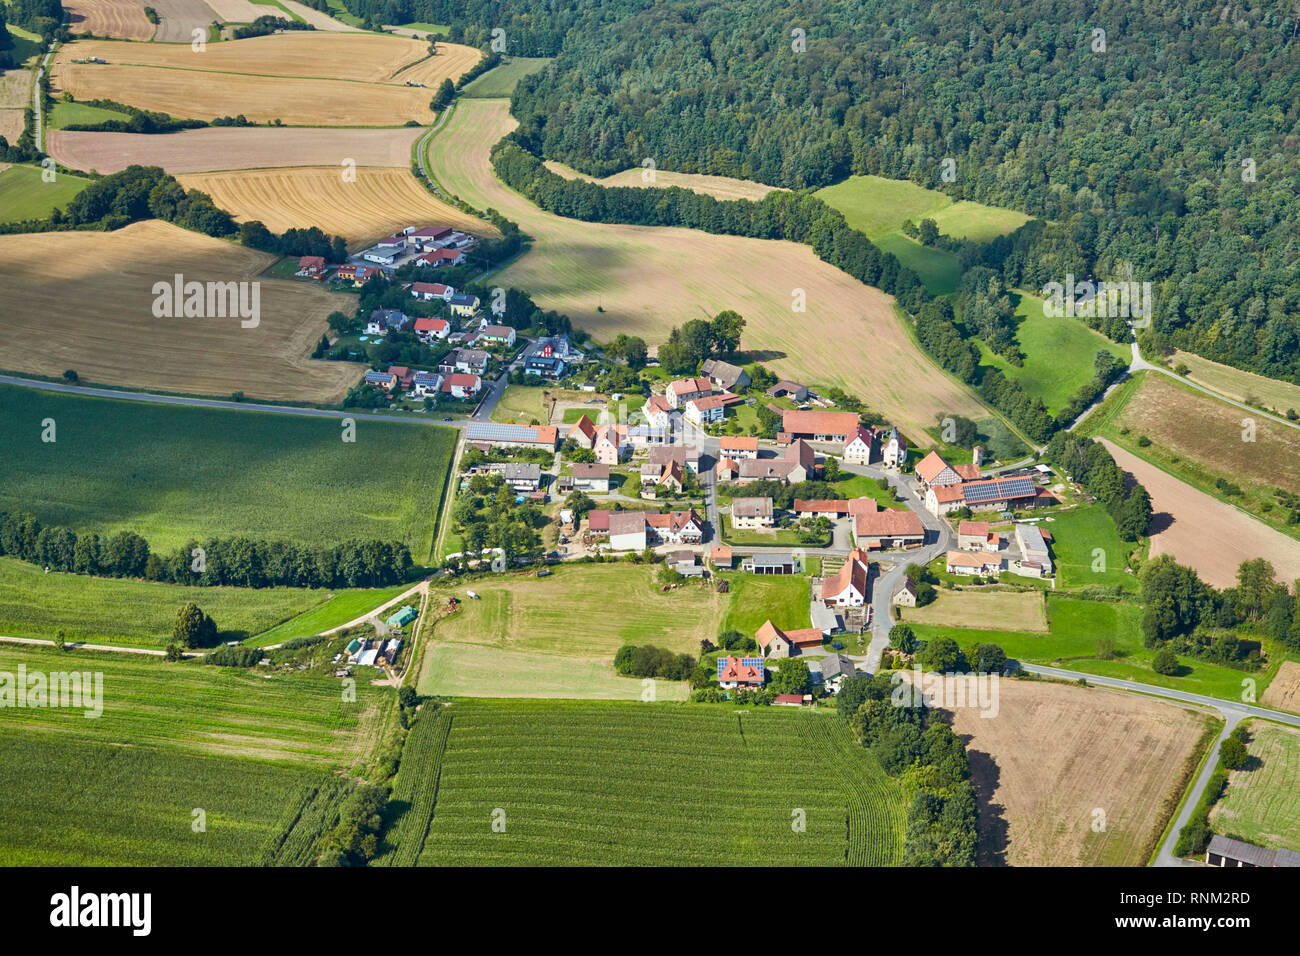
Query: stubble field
x: 123, y: 19
x: 226, y: 148
x: 84, y: 300
x: 302, y: 79
x: 378, y: 203
x: 643, y: 280
x: 1039, y: 799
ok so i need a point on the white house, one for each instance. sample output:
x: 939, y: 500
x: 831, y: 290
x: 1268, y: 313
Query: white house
x: 705, y: 410
x: 426, y: 383
x: 860, y: 448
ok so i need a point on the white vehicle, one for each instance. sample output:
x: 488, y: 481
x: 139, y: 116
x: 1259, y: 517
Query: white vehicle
x: 473, y: 595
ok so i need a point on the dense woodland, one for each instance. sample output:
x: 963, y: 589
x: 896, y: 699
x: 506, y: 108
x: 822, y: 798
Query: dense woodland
x: 1132, y: 149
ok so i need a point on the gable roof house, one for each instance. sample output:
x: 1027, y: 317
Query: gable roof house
x: 835, y: 668
x: 498, y: 335
x: 752, y: 513
x: 657, y: 411
x: 785, y: 387
x: 583, y: 432
x: 430, y: 330
x: 427, y: 291
x: 989, y: 494
x: 311, y: 267
x: 848, y: 586
x: 385, y: 380
x: 382, y: 321
x: 798, y: 463
x: 464, y: 360
x: 976, y: 536
x: 905, y: 594
x: 610, y: 444
x: 738, y: 446
x: 441, y: 257
x: 591, y: 477
x: 462, y: 304
x: 724, y: 375
x: 774, y: 642
x: 705, y: 410
x: 934, y: 470
x: 740, y: 672
x: 426, y: 383
x: 687, y: 455
x: 964, y: 562
x: 861, y: 446
x: 461, y: 384
x: 357, y: 275
x: 683, y: 390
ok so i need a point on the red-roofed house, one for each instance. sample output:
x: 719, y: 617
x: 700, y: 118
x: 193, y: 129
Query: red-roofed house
x: 683, y: 390
x: 847, y: 587
x: 461, y: 385
x: 442, y: 257
x: 656, y: 411
x: 739, y: 672
x: 861, y: 446
x: 610, y: 444
x: 788, y: 700
x: 431, y: 330
x: 738, y: 446
x: 311, y: 267
x: 427, y: 291
x: 976, y: 536
x: 583, y: 432
x: 705, y: 410
x: 405, y: 377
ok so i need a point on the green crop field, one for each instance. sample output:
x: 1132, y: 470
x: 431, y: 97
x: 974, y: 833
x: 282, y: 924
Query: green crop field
x: 137, y: 613
x: 755, y: 598
x: 634, y: 784
x: 1059, y: 354
x: 501, y: 80
x: 1262, y: 804
x: 339, y: 609
x: 586, y: 610
x: 173, y: 473
x: 69, y: 802
x: 24, y: 195
x: 197, y: 708
x: 121, y: 789
x: 467, y: 670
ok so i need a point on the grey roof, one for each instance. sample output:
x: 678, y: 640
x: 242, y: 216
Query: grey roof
x: 517, y: 470
x: 627, y: 522
x: 751, y: 507
x: 837, y: 665
x: 773, y: 559
x: 1031, y: 538
x: 591, y: 471
x: 1246, y: 852
x: 824, y: 619
x: 1287, y: 858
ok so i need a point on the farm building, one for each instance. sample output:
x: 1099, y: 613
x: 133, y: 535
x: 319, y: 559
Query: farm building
x: 798, y: 463
x: 782, y: 562
x: 1033, y: 547
x: 738, y: 446
x: 889, y: 528
x: 834, y: 427
x: 402, y: 617
x: 933, y: 471
x: 992, y: 494
x: 1224, y: 851
x: 724, y: 375
x: 516, y: 436
x: 788, y: 389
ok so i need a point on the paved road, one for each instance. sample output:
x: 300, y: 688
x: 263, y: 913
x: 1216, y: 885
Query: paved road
x: 492, y: 396
x: 36, y: 95
x: 414, y: 418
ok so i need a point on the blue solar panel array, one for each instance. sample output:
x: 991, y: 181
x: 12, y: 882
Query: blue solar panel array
x: 484, y: 431
x: 756, y: 662
x: 1001, y: 489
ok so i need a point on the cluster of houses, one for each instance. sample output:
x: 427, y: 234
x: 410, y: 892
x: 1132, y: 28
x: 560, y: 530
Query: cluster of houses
x: 750, y: 673
x: 948, y: 488
x: 638, y: 530
x: 427, y: 246
x: 553, y: 358
x: 874, y: 528
x: 979, y: 551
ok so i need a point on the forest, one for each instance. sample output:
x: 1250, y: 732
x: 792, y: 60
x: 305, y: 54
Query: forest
x: 1151, y: 141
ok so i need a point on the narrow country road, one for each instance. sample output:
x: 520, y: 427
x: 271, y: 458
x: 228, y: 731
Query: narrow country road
x: 72, y: 646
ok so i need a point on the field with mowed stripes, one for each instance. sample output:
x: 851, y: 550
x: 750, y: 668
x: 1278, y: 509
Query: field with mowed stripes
x: 622, y: 783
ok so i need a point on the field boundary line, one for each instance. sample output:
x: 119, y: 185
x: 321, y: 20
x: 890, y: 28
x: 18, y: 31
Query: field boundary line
x: 82, y: 646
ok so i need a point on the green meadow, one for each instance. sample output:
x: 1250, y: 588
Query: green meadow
x: 25, y: 195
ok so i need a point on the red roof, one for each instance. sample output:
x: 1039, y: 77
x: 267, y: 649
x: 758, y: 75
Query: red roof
x: 461, y: 379
x: 789, y: 698
x: 685, y: 386
x: 890, y: 523
x: 930, y: 467
x: 707, y: 402
x: 854, y: 572
x: 430, y: 325
x: 739, y: 443
x: 314, y: 262
x: 733, y: 669
x: 442, y: 255
x: 819, y: 423
x: 973, y: 527
x: 598, y: 520
x: 822, y: 506
x: 429, y: 288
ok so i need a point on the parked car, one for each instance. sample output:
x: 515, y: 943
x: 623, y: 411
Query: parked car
x: 544, y: 573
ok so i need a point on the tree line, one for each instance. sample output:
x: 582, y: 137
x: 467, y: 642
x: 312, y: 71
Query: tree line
x: 235, y: 561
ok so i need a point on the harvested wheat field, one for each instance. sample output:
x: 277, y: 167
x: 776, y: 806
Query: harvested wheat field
x: 15, y: 89
x: 1283, y: 691
x: 109, y: 18
x: 1055, y: 754
x: 84, y: 301
x: 1238, y: 384
x: 1210, y: 434
x: 321, y: 21
x: 1203, y: 532
x: 377, y: 204
x: 302, y: 79
x: 989, y: 610
x: 720, y: 187
x: 11, y: 124
x: 643, y: 280
x: 179, y: 19
x: 225, y: 148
